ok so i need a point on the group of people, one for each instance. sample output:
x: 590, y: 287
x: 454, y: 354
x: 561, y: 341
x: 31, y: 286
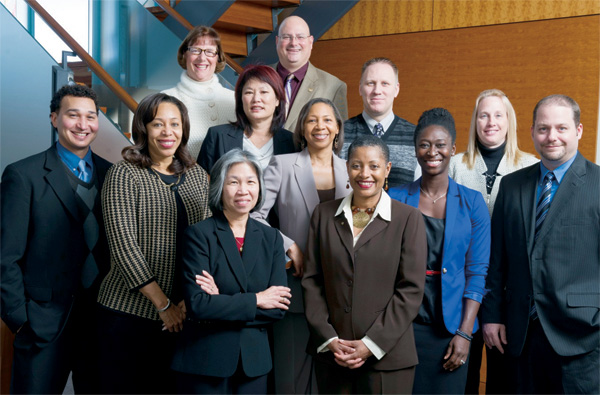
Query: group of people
x: 260, y: 241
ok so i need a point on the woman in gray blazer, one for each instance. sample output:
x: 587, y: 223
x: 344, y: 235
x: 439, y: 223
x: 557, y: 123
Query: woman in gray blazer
x: 295, y: 184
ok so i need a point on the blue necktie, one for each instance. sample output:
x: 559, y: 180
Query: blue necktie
x: 540, y: 215
x: 378, y: 130
x: 84, y: 174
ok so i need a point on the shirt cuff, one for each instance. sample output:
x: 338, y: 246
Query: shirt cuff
x: 323, y: 347
x: 374, y: 348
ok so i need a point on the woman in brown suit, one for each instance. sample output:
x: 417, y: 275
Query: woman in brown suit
x: 363, y: 281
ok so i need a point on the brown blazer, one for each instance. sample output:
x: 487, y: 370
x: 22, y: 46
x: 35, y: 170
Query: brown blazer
x: 373, y: 289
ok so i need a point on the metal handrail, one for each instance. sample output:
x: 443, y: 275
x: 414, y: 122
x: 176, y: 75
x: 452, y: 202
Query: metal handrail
x: 166, y: 7
x: 82, y: 53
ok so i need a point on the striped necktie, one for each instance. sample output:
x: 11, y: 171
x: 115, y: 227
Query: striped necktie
x: 540, y: 215
x: 288, y: 93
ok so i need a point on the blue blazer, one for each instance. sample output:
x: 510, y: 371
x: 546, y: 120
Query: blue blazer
x: 466, y: 253
x: 226, y: 328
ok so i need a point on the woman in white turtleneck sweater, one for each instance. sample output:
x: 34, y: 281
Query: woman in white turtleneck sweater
x: 208, y: 102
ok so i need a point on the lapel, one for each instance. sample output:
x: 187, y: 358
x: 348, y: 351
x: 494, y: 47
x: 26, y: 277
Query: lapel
x: 340, y: 173
x: 377, y: 226
x: 227, y: 241
x: 59, y: 182
x: 344, y: 231
x: 234, y: 139
x: 305, y: 93
x: 280, y: 142
x: 573, y: 179
x: 528, y: 202
x: 451, y: 213
x: 252, y: 241
x: 413, y: 193
x: 306, y: 182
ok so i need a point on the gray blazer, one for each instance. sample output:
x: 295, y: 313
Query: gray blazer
x: 474, y: 178
x: 317, y: 83
x: 291, y: 191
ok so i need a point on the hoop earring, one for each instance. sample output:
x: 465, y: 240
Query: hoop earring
x: 348, y: 184
x: 385, y: 186
x: 335, y: 142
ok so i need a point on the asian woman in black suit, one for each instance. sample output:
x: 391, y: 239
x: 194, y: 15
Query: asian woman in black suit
x: 240, y: 266
x: 260, y: 114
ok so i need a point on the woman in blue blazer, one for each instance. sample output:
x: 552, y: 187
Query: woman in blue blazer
x: 458, y: 240
x: 240, y: 266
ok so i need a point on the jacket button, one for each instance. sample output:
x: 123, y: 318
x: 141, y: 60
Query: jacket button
x: 444, y: 270
x: 349, y: 283
x: 348, y: 309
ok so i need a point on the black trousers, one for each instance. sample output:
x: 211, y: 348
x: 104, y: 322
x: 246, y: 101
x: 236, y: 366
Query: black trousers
x: 45, y: 369
x: 239, y: 383
x: 540, y: 370
x: 135, y: 355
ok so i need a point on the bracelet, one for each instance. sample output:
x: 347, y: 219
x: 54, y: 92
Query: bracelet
x: 166, y: 307
x: 463, y: 335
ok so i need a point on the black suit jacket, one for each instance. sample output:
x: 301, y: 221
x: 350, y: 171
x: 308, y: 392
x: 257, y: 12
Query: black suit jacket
x: 224, y: 328
x: 43, y: 246
x: 223, y: 138
x: 561, y: 270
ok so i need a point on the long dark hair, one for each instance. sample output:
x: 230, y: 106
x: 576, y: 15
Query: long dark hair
x: 138, y: 154
x: 264, y: 74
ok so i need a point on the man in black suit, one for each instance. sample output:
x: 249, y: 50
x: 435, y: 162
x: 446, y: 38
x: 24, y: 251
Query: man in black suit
x: 543, y: 280
x: 54, y: 251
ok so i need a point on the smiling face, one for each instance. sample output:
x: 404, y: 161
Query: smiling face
x: 367, y: 171
x: 294, y: 53
x: 492, y: 122
x: 241, y: 190
x: 164, y: 133
x: 200, y: 67
x: 555, y: 135
x: 320, y: 127
x: 76, y: 123
x: 378, y: 88
x: 259, y: 100
x: 434, y: 149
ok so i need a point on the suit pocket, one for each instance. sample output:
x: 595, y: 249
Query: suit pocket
x: 583, y: 300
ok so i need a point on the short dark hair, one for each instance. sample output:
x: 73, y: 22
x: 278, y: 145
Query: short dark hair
x: 299, y: 131
x: 72, y: 90
x: 559, y: 100
x: 368, y: 140
x: 139, y: 153
x: 382, y: 60
x: 265, y: 74
x: 192, y: 37
x: 219, y: 172
x: 436, y: 116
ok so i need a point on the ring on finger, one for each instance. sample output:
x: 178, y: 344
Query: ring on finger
x: 462, y: 362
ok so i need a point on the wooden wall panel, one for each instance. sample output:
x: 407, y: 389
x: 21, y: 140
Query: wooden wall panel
x: 382, y: 17
x: 449, y: 68
x: 378, y: 17
x: 449, y: 14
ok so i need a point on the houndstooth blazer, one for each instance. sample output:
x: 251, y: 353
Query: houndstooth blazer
x: 140, y: 213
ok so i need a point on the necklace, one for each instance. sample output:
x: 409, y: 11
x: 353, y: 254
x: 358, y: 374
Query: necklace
x: 240, y: 245
x: 434, y: 200
x: 167, y: 185
x: 361, y: 217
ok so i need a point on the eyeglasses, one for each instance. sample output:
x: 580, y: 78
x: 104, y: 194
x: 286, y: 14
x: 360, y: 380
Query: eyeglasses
x: 289, y: 37
x: 210, y: 53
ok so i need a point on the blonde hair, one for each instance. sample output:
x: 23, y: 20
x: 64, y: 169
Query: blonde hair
x: 511, y: 150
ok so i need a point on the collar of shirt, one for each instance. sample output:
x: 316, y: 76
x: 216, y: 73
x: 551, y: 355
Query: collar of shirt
x: 298, y: 74
x: 383, y: 208
x: 385, y: 122
x: 71, y: 160
x: 559, y: 173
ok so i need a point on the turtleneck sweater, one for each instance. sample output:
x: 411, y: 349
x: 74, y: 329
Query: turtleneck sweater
x: 492, y: 158
x: 208, y: 104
